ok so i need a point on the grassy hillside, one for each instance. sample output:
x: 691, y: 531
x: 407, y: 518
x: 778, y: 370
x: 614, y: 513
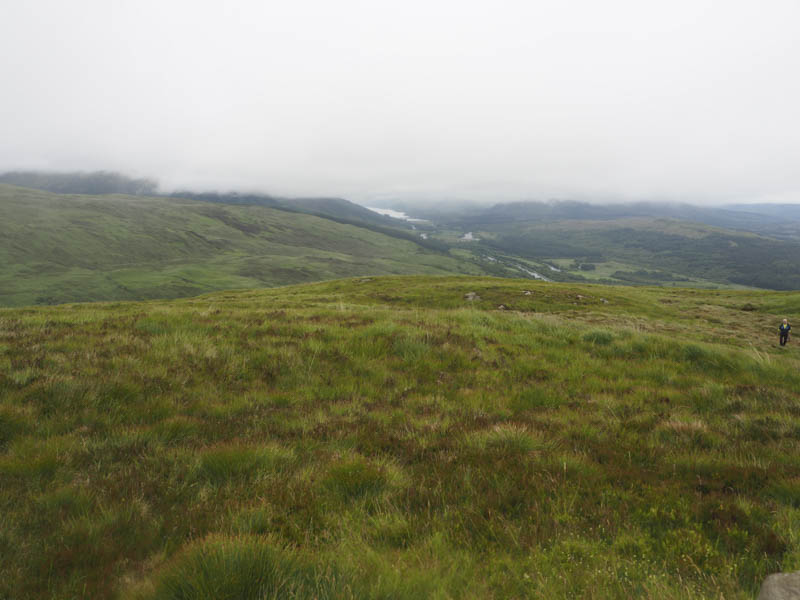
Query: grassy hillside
x: 389, y: 438
x: 336, y: 208
x: 67, y: 248
x: 106, y: 182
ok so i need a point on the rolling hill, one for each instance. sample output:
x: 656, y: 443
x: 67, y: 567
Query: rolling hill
x: 402, y: 437
x: 107, y: 182
x: 66, y: 248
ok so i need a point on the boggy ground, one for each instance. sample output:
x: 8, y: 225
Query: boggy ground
x: 387, y: 438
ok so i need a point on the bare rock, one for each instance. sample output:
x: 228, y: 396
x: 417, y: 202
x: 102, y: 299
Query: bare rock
x: 781, y: 586
x: 472, y: 296
x: 502, y: 307
x: 527, y: 292
x: 603, y: 300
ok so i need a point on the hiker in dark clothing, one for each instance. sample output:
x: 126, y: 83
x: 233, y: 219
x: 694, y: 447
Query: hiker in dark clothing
x: 785, y: 328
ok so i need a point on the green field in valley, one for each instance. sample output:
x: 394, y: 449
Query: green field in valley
x: 390, y: 438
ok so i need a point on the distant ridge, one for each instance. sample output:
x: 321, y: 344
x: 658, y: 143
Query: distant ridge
x: 90, y: 183
x: 98, y: 183
x: 322, y: 206
x: 106, y: 244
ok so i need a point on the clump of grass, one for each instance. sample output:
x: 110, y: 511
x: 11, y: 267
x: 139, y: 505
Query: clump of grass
x: 35, y: 462
x: 599, y: 337
x: 23, y: 377
x: 409, y: 349
x: 55, y: 396
x: 507, y: 438
x: 260, y: 568
x: 710, y: 359
x: 392, y: 529
x: 245, y: 568
x: 176, y: 430
x: 787, y: 492
x: 258, y: 520
x: 355, y: 478
x: 535, y: 397
x: 66, y: 501
x: 222, y: 464
x: 11, y: 425
x: 153, y: 325
x: 93, y: 539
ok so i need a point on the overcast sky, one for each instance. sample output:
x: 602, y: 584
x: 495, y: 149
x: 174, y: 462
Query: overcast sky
x: 680, y: 99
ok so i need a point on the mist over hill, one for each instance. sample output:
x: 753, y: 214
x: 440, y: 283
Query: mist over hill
x: 107, y: 182
x: 777, y: 220
x: 94, y: 182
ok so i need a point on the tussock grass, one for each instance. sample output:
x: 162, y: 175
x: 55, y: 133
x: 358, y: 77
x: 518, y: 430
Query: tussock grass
x: 219, y: 465
x: 385, y: 438
x: 353, y: 479
x: 238, y: 568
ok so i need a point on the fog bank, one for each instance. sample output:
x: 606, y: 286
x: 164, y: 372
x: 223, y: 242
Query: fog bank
x: 489, y: 101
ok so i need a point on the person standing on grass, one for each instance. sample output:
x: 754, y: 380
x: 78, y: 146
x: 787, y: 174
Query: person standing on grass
x: 785, y: 328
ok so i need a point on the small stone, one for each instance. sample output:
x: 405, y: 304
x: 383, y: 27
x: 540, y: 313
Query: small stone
x: 603, y: 300
x: 580, y: 297
x: 781, y: 586
x: 472, y: 296
x: 502, y: 307
x: 527, y: 292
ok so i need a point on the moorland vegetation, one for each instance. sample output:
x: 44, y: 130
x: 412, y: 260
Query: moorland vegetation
x: 391, y: 438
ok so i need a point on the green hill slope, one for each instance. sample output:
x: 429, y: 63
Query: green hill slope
x: 335, y: 208
x: 389, y: 438
x: 67, y: 248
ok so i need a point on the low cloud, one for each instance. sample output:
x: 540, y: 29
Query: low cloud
x: 689, y: 100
